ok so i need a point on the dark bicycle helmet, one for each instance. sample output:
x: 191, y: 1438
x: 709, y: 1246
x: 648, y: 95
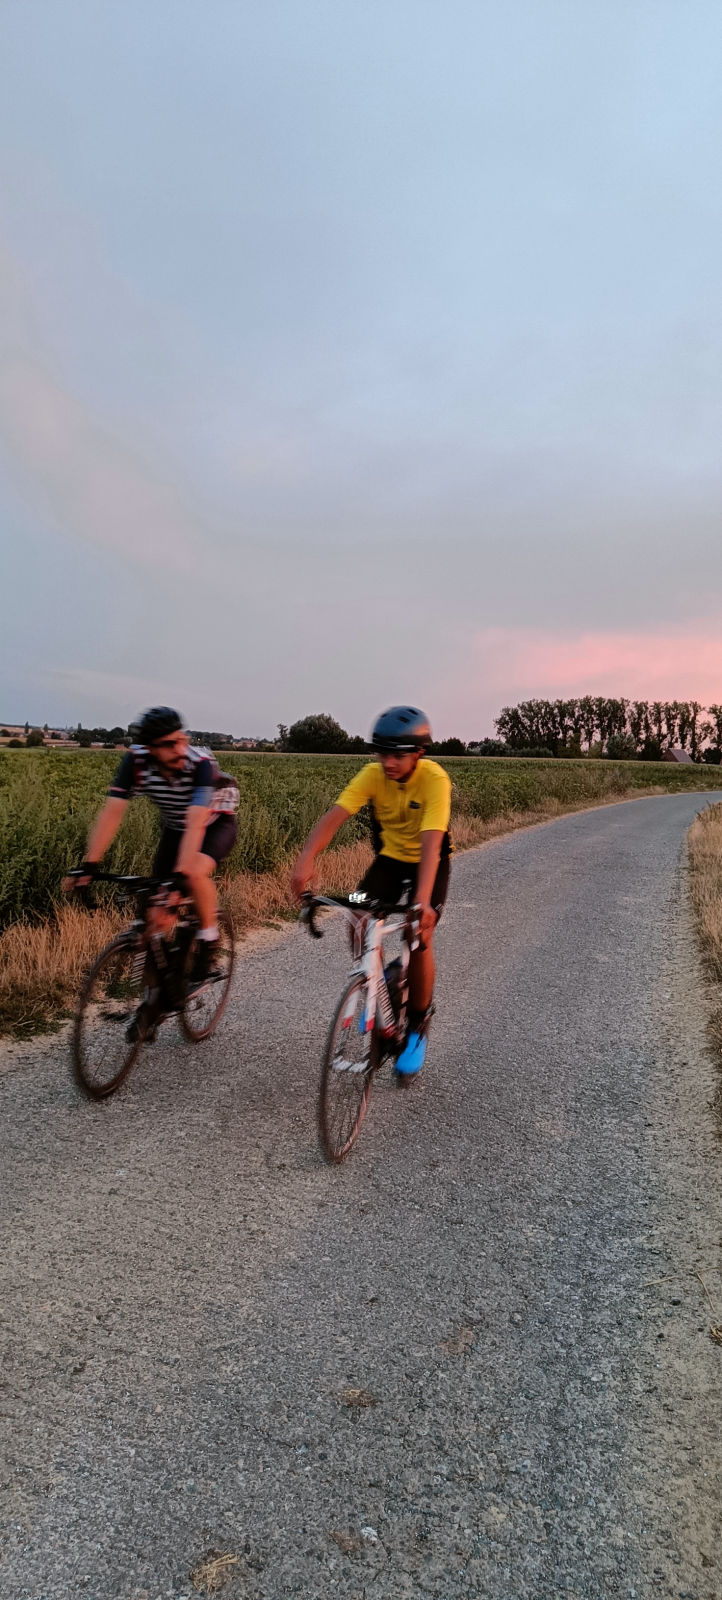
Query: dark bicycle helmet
x: 156, y: 723
x: 401, y: 728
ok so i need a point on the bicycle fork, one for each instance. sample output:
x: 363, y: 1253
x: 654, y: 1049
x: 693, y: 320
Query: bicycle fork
x: 378, y: 999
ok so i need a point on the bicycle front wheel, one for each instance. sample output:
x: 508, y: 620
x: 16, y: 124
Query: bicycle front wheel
x: 206, y: 1002
x: 350, y: 1059
x: 110, y: 1025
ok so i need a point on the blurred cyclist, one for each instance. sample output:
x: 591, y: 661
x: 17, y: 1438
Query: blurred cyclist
x: 410, y: 799
x: 197, y: 803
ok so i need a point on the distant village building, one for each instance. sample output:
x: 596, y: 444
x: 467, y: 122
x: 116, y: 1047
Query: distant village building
x: 682, y: 756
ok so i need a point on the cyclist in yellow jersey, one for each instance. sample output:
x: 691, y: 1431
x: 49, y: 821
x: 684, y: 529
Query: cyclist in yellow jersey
x: 410, y: 800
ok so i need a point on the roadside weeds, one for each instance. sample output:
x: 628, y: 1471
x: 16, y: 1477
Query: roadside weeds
x: 704, y: 856
x: 705, y: 877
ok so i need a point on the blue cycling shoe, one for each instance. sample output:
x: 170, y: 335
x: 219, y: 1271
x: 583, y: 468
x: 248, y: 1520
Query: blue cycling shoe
x: 411, y: 1059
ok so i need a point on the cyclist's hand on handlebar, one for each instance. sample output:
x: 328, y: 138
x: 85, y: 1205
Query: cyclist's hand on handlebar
x: 308, y: 914
x: 80, y: 877
x: 426, y: 924
x: 302, y: 877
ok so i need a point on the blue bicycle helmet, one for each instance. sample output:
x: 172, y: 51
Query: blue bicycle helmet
x: 401, y: 729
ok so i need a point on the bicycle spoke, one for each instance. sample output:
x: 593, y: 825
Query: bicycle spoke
x: 350, y: 1060
x: 206, y: 1002
x: 111, y: 1021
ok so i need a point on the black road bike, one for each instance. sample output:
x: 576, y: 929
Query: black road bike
x: 142, y: 977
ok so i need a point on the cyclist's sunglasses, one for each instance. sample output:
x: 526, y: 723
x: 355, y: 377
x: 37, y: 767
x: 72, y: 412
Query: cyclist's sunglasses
x: 394, y: 749
x: 170, y: 742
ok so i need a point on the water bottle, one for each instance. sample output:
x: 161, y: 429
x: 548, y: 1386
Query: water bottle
x: 393, y: 974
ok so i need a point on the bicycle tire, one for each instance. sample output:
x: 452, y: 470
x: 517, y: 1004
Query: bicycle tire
x: 352, y: 1086
x: 208, y: 1020
x: 84, y: 1024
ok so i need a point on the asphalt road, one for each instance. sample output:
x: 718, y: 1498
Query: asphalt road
x: 188, y: 1292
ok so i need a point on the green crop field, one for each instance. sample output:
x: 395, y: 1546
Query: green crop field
x: 48, y: 799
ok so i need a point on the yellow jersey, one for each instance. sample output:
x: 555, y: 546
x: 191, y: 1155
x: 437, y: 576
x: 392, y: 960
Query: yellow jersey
x: 402, y: 811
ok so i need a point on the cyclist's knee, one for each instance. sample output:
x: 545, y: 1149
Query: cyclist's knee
x: 199, y: 869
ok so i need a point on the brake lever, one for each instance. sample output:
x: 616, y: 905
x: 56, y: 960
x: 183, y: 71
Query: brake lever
x: 308, y: 917
x: 81, y: 892
x: 413, y: 924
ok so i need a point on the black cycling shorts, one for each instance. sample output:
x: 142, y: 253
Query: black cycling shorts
x: 218, y: 841
x: 386, y: 878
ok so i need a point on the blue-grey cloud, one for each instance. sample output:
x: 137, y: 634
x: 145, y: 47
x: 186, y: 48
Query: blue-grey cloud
x: 339, y: 336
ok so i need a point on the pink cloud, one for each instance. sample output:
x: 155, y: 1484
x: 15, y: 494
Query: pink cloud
x: 504, y: 665
x: 518, y: 663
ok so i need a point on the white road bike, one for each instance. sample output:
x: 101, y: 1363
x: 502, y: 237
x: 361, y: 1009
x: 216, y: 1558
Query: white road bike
x: 369, y: 1023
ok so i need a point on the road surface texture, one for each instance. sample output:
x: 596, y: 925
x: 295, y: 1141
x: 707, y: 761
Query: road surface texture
x: 475, y: 1359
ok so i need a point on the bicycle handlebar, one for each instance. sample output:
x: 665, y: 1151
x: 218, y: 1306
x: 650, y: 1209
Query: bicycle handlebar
x: 360, y: 906
x: 129, y: 881
x: 127, y: 878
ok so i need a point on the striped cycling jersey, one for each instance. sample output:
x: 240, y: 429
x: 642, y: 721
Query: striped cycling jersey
x: 201, y: 783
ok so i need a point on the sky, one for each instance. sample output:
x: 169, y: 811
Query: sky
x: 358, y: 353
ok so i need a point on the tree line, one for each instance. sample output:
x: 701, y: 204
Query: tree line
x: 321, y: 734
x: 620, y: 728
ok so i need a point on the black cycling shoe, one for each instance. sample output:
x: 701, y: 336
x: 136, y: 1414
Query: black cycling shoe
x: 204, y: 961
x: 140, y: 1025
x: 146, y: 1022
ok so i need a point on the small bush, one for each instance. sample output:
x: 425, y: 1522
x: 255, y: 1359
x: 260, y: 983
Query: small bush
x: 447, y: 747
x: 316, y: 735
x: 489, y: 747
x: 621, y: 747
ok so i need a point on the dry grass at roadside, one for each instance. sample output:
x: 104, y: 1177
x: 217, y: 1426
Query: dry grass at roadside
x: 42, y: 963
x: 705, y: 880
x: 704, y: 855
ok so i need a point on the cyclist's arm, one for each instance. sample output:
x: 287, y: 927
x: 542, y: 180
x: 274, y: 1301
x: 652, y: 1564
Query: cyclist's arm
x: 197, y: 820
x: 105, y: 827
x: 431, y: 842
x: 318, y: 839
x: 434, y: 824
x: 109, y: 818
x: 101, y: 835
x: 198, y: 817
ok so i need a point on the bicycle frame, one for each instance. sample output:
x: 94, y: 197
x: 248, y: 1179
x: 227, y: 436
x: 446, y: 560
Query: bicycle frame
x: 155, y: 917
x: 372, y: 924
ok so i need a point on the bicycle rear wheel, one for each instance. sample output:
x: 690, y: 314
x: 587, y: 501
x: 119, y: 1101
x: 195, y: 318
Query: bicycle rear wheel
x: 350, y: 1059
x: 206, y: 1002
x: 109, y: 1027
